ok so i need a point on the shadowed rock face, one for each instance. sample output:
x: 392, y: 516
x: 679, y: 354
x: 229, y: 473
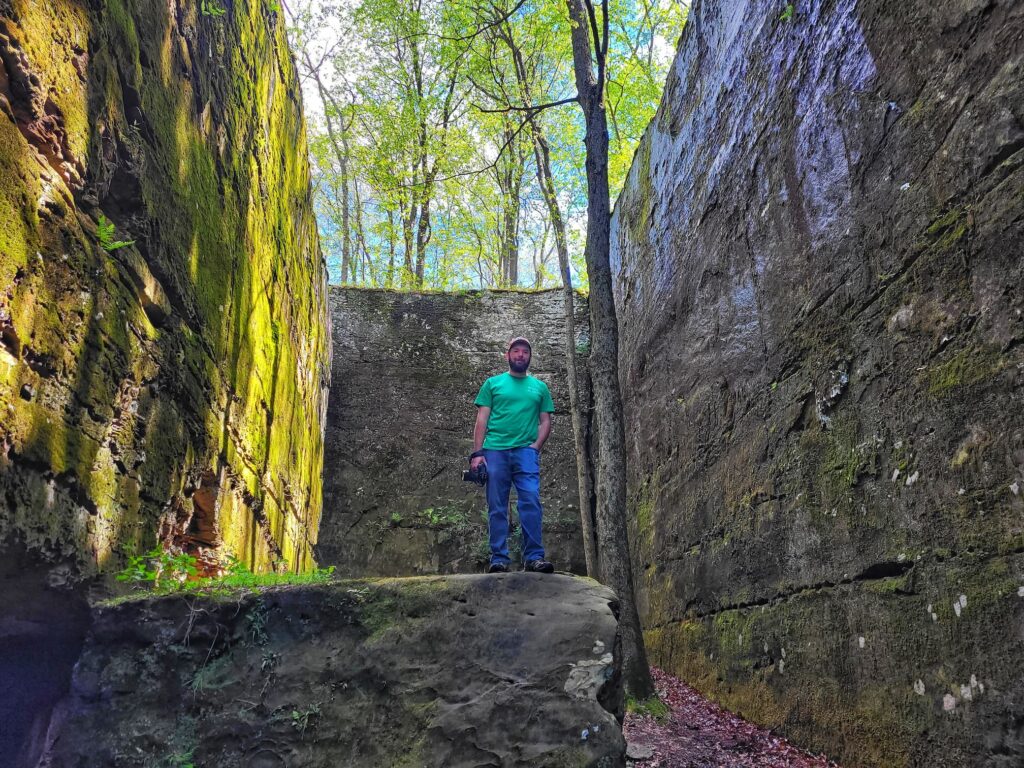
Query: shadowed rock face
x: 42, y: 627
x: 406, y: 369
x: 819, y: 269
x: 511, y: 670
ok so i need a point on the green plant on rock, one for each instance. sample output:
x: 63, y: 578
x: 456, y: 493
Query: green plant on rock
x: 515, y: 542
x: 213, y: 9
x: 304, y: 718
x: 445, y: 516
x: 482, y: 550
x: 787, y: 15
x: 650, y: 707
x: 180, y: 760
x: 105, y: 234
x: 139, y: 568
x: 163, y: 570
x: 257, y: 618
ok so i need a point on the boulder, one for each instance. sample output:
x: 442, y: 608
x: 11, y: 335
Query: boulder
x: 505, y: 670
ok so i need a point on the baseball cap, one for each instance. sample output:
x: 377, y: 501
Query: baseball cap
x: 518, y: 340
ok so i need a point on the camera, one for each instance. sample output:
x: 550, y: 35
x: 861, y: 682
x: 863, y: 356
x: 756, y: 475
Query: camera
x: 478, y: 475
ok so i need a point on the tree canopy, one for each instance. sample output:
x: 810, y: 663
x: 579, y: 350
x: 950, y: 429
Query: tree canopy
x: 423, y: 127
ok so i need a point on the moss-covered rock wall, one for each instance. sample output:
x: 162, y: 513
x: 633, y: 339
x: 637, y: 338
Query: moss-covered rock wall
x: 407, y: 367
x: 819, y: 280
x: 172, y: 388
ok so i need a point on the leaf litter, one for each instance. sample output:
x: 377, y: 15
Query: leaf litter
x: 700, y: 734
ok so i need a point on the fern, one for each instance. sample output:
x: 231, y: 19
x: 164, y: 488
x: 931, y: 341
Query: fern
x: 105, y: 234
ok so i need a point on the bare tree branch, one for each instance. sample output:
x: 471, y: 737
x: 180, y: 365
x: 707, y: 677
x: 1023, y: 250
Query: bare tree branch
x: 531, y: 109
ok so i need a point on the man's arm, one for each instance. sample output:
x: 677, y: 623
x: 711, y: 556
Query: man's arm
x: 483, y: 414
x: 543, y: 430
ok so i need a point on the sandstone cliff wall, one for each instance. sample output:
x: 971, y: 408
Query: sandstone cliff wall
x: 173, y: 388
x: 819, y: 257
x: 406, y: 369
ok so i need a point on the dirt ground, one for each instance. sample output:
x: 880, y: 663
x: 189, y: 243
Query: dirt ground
x: 699, y: 734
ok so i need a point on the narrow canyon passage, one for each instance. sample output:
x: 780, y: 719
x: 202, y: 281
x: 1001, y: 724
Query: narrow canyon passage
x: 817, y: 258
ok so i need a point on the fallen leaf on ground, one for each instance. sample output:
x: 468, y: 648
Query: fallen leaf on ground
x: 700, y: 734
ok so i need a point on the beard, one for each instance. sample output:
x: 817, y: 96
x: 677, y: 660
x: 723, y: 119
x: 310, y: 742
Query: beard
x: 517, y: 366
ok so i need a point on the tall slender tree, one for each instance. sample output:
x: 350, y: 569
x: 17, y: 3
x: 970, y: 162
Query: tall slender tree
x: 526, y: 81
x: 590, y: 60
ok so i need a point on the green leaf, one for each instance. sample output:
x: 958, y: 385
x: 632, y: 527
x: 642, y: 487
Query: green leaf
x: 105, y: 234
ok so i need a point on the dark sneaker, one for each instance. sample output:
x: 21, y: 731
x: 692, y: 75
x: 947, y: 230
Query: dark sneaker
x: 498, y: 568
x: 538, y: 566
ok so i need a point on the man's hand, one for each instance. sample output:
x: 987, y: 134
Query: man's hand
x: 475, y: 462
x: 543, y: 430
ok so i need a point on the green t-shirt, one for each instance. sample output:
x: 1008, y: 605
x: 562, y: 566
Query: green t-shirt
x: 516, y: 403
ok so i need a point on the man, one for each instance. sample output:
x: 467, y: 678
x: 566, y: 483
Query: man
x: 512, y: 422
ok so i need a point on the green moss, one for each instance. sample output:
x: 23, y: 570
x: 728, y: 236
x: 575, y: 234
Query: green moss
x: 965, y: 368
x: 387, y: 605
x: 890, y: 586
x: 645, y: 517
x: 948, y: 230
x: 798, y: 665
x: 643, y: 509
x: 18, y: 237
x: 46, y: 32
x: 834, y: 459
x: 650, y: 707
x: 640, y: 207
x: 182, y: 744
x: 234, y: 251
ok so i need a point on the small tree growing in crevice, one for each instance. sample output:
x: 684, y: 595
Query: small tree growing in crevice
x: 590, y: 58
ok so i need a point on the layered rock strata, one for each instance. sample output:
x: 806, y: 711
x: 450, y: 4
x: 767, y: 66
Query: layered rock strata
x: 163, y: 329
x: 406, y: 369
x: 510, y: 670
x: 819, y: 269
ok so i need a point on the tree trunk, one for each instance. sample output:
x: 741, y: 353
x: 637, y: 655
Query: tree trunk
x: 348, y: 271
x: 423, y: 233
x: 612, y: 536
x: 341, y: 155
x: 542, y: 157
x: 408, y: 233
x: 580, y: 421
x: 365, y: 261
x: 509, y: 175
x: 584, y: 475
x: 389, y: 279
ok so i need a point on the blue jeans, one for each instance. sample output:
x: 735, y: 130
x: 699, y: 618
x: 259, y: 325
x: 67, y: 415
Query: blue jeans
x: 521, y: 467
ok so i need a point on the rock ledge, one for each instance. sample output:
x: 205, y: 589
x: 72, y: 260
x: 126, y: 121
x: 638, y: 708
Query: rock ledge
x: 507, y: 670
